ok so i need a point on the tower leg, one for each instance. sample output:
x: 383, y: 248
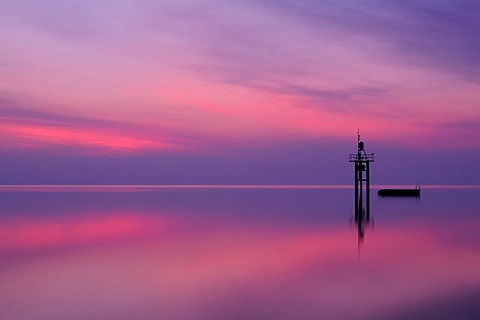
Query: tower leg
x: 356, y: 189
x: 360, y: 197
x: 367, y: 195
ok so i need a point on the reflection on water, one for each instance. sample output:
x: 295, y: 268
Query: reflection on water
x: 362, y: 221
x: 237, y: 253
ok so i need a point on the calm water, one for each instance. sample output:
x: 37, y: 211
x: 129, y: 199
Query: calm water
x: 237, y: 253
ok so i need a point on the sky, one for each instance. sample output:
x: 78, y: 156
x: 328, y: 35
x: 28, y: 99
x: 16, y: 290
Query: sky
x: 249, y: 92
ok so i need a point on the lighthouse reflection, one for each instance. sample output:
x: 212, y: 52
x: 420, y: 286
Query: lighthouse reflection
x: 362, y: 221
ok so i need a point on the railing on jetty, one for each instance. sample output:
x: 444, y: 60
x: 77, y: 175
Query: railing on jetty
x: 352, y: 157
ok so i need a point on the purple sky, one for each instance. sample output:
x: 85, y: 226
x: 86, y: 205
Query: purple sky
x: 238, y: 92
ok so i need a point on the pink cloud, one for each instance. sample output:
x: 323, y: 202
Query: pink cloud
x: 37, y: 136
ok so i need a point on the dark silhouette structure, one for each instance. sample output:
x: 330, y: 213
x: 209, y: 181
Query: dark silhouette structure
x: 361, y: 164
x: 400, y: 192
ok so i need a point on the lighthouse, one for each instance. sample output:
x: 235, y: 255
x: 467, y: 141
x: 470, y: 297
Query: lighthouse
x: 361, y: 166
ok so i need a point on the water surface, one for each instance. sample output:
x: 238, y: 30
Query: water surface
x: 236, y: 252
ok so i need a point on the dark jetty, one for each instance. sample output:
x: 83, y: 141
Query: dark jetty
x: 400, y: 192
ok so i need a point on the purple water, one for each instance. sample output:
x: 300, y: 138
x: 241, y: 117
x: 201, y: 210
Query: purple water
x: 226, y: 252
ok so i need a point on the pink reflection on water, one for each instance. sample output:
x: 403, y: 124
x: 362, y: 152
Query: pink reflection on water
x: 223, y: 271
x: 20, y: 235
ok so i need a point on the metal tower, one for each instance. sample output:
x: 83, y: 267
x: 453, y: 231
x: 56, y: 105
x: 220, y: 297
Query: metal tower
x: 361, y: 161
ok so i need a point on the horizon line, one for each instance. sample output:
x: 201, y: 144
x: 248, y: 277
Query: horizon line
x: 132, y: 187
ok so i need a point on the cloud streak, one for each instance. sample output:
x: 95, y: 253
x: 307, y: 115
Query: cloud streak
x: 438, y: 34
x: 30, y: 128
